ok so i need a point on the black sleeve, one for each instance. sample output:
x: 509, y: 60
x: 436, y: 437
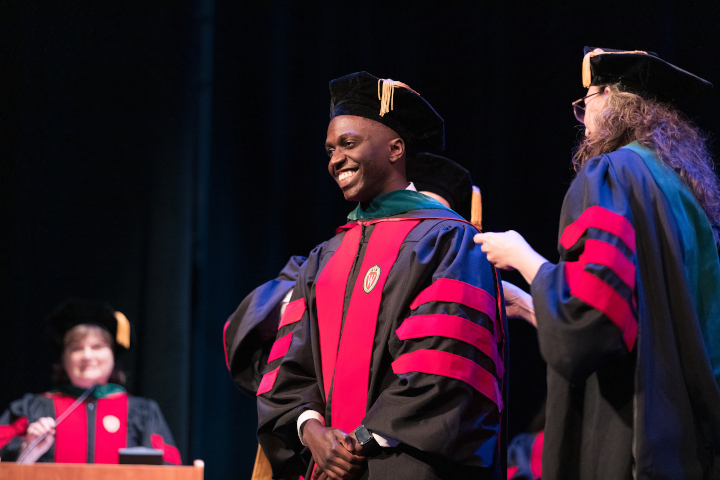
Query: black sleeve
x: 147, y: 422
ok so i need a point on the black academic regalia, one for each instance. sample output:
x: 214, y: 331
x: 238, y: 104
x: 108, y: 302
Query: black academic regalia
x: 445, y: 426
x: 631, y: 389
x: 246, y: 342
x: 86, y: 436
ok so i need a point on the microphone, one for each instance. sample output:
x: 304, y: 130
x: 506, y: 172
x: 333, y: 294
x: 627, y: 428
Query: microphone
x: 62, y: 417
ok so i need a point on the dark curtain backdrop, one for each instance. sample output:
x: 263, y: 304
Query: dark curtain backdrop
x: 168, y: 157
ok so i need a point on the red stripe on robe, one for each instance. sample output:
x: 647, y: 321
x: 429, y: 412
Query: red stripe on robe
x: 293, y: 312
x: 450, y: 326
x: 446, y: 364
x: 267, y: 382
x: 170, y: 454
x: 601, y: 296
x: 536, y: 455
x: 607, y: 255
x: 107, y: 442
x: 71, y: 435
x: 456, y: 291
x: 227, y: 362
x: 352, y: 371
x: 8, y: 432
x: 280, y: 347
x: 600, y: 218
x: 330, y: 300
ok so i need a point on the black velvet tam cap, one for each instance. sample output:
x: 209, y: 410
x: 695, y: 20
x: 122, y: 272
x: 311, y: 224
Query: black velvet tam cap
x: 73, y: 312
x: 391, y: 103
x: 645, y: 74
x: 443, y: 177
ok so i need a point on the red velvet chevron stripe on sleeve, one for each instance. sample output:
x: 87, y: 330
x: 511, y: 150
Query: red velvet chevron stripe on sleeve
x: 456, y: 291
x: 446, y: 364
x: 225, y: 349
x: 601, y: 296
x: 603, y: 253
x: 267, y: 382
x: 8, y: 432
x: 280, y: 347
x: 603, y: 219
x: 451, y: 326
x: 293, y: 312
x: 170, y: 454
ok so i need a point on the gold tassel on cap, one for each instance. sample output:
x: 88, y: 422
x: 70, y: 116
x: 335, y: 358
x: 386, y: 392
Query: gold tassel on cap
x: 587, y: 74
x: 122, y: 337
x: 386, y: 94
x: 476, y: 208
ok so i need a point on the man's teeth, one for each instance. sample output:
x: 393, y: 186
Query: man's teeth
x: 345, y: 175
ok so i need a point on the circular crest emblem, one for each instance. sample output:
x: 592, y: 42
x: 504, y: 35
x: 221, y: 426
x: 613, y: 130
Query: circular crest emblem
x: 111, y: 423
x: 371, y: 278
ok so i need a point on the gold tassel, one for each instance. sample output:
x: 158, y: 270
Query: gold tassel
x: 476, y: 208
x: 386, y: 94
x: 587, y: 74
x: 122, y: 337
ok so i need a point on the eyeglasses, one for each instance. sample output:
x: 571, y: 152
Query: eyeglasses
x: 579, y: 107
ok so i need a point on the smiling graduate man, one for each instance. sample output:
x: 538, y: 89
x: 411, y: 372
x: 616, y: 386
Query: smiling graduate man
x: 389, y: 358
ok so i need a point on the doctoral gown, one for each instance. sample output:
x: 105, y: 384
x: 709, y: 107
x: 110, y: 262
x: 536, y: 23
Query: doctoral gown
x: 108, y: 420
x: 396, y: 323
x: 628, y: 323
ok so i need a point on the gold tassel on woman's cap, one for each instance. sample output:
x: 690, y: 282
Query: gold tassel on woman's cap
x: 122, y: 336
x: 387, y: 95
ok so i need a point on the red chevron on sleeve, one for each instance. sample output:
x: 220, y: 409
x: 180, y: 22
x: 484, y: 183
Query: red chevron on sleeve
x: 280, y: 347
x: 607, y: 255
x: 446, y: 364
x: 450, y: 326
x: 225, y: 348
x: 603, y: 219
x: 267, y: 382
x: 170, y: 454
x: 8, y: 432
x: 293, y: 312
x: 601, y: 296
x: 456, y: 291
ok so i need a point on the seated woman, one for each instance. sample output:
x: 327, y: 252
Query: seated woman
x: 88, y: 334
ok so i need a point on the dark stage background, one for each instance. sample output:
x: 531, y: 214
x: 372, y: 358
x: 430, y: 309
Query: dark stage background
x: 168, y: 157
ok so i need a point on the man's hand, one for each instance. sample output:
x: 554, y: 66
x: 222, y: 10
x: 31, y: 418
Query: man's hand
x: 331, y: 449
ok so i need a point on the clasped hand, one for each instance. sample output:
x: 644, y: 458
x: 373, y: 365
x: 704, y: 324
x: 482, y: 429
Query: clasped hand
x: 336, y: 454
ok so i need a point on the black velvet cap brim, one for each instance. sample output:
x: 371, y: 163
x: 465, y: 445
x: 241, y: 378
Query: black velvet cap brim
x: 650, y: 77
x: 73, y: 312
x: 443, y: 177
x: 412, y: 118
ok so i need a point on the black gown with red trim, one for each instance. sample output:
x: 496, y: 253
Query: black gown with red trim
x: 631, y: 389
x: 396, y: 324
x: 93, y: 432
x: 250, y: 331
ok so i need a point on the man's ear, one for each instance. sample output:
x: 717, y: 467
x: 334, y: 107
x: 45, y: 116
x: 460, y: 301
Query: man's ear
x: 397, y: 149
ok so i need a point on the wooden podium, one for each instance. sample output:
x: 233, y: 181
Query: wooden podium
x: 81, y: 471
